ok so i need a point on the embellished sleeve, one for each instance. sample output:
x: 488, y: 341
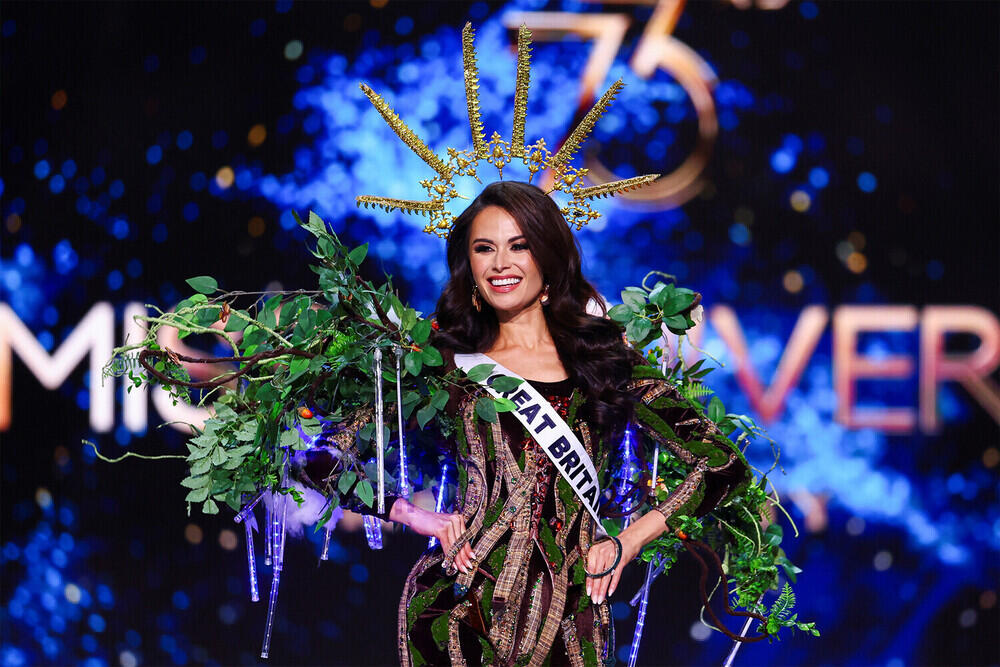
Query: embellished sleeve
x: 715, y: 467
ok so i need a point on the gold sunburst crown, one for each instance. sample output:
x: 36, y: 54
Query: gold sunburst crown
x: 498, y: 152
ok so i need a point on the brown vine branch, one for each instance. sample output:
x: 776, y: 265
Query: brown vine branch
x: 251, y: 362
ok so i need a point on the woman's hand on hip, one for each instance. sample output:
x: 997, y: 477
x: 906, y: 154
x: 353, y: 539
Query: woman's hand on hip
x: 599, y: 558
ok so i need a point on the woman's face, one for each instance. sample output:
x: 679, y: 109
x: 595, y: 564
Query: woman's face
x: 502, y: 264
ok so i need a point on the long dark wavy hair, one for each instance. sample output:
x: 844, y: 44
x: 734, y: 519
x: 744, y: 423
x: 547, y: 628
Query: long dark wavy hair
x: 590, y: 347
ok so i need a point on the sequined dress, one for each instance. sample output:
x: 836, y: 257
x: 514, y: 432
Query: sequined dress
x: 526, y: 602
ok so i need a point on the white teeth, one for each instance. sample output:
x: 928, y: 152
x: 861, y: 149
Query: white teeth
x: 505, y: 281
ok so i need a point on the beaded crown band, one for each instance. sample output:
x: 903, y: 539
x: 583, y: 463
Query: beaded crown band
x: 498, y: 152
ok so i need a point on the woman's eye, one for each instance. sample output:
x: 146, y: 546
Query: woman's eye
x: 482, y: 248
x: 520, y: 246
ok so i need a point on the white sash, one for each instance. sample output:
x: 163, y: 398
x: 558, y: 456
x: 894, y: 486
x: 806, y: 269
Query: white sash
x: 548, y: 429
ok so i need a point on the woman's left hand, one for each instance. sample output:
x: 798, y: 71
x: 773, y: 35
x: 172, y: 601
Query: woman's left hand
x: 601, y: 556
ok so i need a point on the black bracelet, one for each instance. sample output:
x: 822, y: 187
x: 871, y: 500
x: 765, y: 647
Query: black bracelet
x: 618, y: 559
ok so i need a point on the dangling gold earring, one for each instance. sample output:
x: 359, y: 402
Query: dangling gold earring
x: 475, y: 298
x: 544, y: 298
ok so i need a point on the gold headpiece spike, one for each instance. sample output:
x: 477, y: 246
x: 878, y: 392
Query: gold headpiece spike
x: 471, y: 71
x: 422, y: 207
x: 521, y: 90
x: 405, y: 133
x: 578, y: 135
x: 606, y: 189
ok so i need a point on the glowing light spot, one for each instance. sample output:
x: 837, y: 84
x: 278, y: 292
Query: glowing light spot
x: 293, y: 50
x: 378, y: 4
x: 224, y: 177
x: 404, y: 25
x: 61, y: 456
x: 967, y: 618
x: 59, y: 100
x: 843, y: 250
x: 935, y: 269
x: 855, y: 526
x: 193, y: 533
x: 809, y: 10
x: 181, y: 600
x: 256, y: 135
x: 43, y: 498
x: 793, y: 281
x: 856, y: 262
x: 13, y: 223
x: 818, y: 177
x: 258, y: 27
x: 800, y: 201
x: 72, y: 593
x: 857, y: 240
x: 116, y: 189
x: 882, y: 561
x: 256, y: 226
x: 743, y: 215
x: 700, y: 632
x: 739, y: 234
x: 154, y: 154
x: 42, y: 169
x: 128, y: 659
x: 191, y: 211
x: 782, y: 161
x: 988, y: 599
x: 991, y: 457
x: 57, y: 184
x: 227, y: 539
x: 867, y: 181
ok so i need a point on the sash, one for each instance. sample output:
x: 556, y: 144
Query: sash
x: 548, y: 429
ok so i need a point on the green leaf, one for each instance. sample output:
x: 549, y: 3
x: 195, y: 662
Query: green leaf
x: 409, y: 319
x: 358, y: 254
x: 199, y: 298
x: 201, y: 466
x: 346, y: 481
x: 364, y: 492
x: 486, y: 409
x: 236, y: 323
x: 773, y: 534
x: 289, y: 312
x: 716, y: 410
x: 210, y: 507
x: 504, y: 405
x: 661, y: 292
x: 440, y: 399
x: 676, y: 322
x: 218, y: 456
x: 506, y: 384
x: 413, y: 362
x: 311, y: 426
x: 678, y: 301
x: 620, y: 313
x: 197, y: 495
x: 289, y: 438
x: 421, y: 331
x: 480, y: 372
x: 297, y: 367
x: 638, y: 329
x: 425, y: 414
x: 635, y: 301
x: 247, y: 432
x: 196, y: 482
x: 203, y: 284
x: 431, y: 356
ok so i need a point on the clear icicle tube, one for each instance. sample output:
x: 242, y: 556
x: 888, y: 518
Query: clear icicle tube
x: 439, y: 505
x: 325, y: 553
x: 404, y: 480
x: 248, y: 508
x: 276, y: 535
x: 640, y: 622
x: 373, y: 531
x: 651, y: 573
x: 267, y: 534
x: 379, y: 428
x: 251, y: 563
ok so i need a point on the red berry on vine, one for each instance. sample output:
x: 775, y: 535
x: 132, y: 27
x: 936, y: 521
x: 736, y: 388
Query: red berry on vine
x: 306, y: 413
x: 435, y: 325
x: 681, y: 534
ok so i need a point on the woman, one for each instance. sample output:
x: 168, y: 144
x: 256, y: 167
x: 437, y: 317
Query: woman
x: 514, y: 580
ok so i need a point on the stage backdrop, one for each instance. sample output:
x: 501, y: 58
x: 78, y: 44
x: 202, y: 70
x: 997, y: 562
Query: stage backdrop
x: 830, y: 187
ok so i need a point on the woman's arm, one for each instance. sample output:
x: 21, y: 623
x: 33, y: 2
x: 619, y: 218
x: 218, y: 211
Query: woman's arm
x: 716, y: 469
x: 447, y: 528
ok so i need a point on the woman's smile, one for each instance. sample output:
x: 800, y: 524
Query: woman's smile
x: 504, y: 284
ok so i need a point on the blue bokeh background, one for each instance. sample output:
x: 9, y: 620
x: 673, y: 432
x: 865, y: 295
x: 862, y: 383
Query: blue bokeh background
x: 144, y: 144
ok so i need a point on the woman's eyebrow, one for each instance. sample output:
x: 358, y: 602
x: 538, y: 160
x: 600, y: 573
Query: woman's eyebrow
x: 515, y: 238
x: 482, y: 240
